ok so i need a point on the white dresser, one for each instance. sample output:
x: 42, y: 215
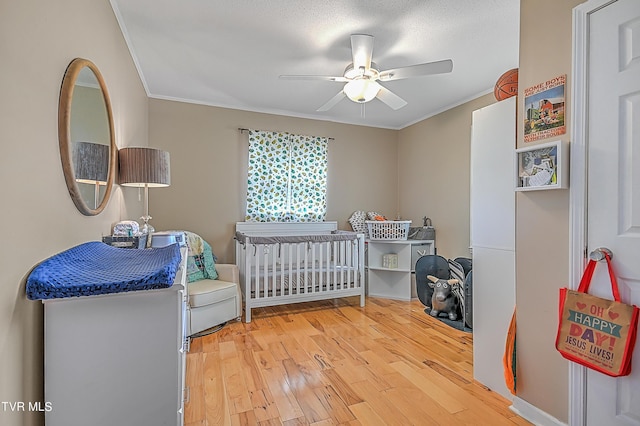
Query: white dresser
x: 117, y: 359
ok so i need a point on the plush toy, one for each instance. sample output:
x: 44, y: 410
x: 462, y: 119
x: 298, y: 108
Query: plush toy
x: 443, y: 298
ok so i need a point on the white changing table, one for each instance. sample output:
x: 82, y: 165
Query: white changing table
x: 117, y: 359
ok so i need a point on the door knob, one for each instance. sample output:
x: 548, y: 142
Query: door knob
x: 598, y: 254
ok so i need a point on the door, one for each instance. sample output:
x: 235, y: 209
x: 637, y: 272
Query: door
x: 613, y: 186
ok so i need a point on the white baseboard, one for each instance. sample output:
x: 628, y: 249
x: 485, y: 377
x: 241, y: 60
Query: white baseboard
x: 533, y: 414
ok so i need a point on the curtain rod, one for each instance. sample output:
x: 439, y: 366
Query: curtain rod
x: 242, y: 129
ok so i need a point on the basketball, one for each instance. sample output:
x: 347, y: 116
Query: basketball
x: 507, y: 85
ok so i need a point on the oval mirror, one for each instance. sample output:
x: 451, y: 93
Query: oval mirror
x: 85, y: 134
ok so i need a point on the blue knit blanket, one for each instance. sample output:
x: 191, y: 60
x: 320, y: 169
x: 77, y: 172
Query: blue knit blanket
x: 97, y: 268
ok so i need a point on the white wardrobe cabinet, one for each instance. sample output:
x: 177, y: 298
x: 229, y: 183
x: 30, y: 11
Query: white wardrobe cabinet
x: 493, y: 141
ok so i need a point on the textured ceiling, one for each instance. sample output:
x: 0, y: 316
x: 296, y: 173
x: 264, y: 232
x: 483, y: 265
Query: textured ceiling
x: 230, y: 53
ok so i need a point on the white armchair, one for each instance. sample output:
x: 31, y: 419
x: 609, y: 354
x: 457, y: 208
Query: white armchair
x: 214, y: 302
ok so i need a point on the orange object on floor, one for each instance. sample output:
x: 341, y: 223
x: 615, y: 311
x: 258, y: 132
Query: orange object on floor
x: 509, y: 359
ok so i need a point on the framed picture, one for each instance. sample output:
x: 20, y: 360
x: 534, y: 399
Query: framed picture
x: 544, y: 110
x: 542, y: 166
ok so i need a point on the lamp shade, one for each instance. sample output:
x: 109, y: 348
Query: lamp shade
x: 361, y: 90
x: 144, y: 167
x: 90, y: 162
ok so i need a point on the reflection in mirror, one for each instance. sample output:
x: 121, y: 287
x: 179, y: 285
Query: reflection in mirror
x: 91, y: 168
x: 87, y: 145
x: 90, y: 138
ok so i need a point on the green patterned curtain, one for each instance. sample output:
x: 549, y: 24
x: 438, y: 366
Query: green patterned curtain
x: 308, y: 183
x: 287, y: 177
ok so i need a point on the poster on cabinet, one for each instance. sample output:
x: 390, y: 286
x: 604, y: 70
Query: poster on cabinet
x: 544, y: 109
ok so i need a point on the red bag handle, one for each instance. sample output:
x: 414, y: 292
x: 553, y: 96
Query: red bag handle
x: 588, y: 274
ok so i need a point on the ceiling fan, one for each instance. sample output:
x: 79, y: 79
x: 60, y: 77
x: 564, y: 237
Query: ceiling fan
x: 362, y: 76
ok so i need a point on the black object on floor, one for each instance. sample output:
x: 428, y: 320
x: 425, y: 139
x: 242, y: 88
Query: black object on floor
x: 458, y: 324
x: 468, y: 299
x: 431, y: 264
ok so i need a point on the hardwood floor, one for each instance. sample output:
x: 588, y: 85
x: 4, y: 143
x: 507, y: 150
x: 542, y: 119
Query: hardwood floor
x: 334, y: 363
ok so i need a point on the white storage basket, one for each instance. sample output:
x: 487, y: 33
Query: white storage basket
x: 388, y: 229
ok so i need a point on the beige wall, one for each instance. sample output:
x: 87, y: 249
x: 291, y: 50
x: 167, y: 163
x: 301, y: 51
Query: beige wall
x: 38, y: 39
x: 542, y: 219
x: 208, y: 168
x: 434, y: 175
x: 369, y: 169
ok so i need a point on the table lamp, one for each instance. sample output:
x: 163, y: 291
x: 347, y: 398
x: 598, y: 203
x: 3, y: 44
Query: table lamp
x: 143, y: 168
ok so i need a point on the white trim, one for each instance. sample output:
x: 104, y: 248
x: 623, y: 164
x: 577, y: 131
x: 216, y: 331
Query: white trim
x: 578, y: 184
x: 533, y: 414
x: 577, y: 194
x: 272, y: 111
x: 286, y: 113
x: 446, y: 108
x: 129, y: 43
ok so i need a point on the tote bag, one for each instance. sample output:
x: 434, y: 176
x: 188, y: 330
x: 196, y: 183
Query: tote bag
x: 597, y: 333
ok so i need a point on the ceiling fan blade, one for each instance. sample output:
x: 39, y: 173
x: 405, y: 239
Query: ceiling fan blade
x: 332, y: 102
x: 430, y: 68
x: 313, y: 77
x: 391, y: 99
x: 361, y: 50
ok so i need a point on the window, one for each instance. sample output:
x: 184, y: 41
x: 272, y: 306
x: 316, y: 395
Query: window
x: 287, y: 177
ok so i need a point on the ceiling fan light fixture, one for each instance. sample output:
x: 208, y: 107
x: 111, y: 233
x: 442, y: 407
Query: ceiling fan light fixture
x: 361, y: 90
x: 361, y: 76
x: 352, y: 73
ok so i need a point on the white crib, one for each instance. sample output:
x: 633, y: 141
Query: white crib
x: 283, y: 263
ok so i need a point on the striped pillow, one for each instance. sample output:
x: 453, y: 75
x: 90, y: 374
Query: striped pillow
x: 457, y: 272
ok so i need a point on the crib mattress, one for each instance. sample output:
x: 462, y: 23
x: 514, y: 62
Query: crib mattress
x: 96, y: 268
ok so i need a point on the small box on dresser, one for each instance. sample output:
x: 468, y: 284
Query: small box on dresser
x: 138, y: 242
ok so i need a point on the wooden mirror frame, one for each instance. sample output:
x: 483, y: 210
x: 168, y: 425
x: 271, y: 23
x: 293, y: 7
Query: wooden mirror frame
x: 64, y: 135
